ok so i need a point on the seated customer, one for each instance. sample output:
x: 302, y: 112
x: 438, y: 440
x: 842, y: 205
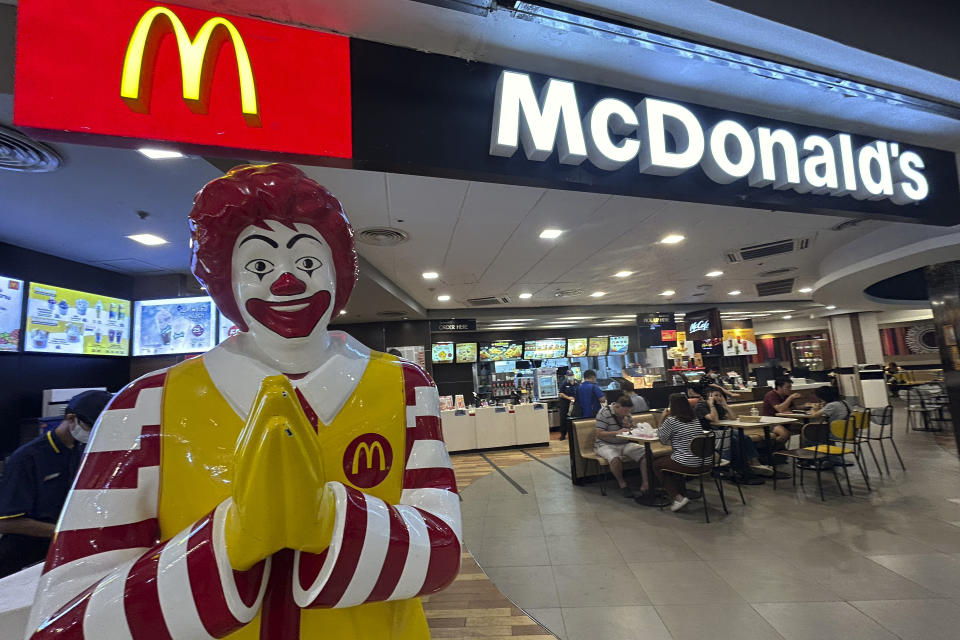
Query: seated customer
x: 780, y: 400
x: 612, y: 421
x: 715, y: 408
x: 639, y: 402
x: 833, y: 407
x: 678, y: 430
x: 36, y: 480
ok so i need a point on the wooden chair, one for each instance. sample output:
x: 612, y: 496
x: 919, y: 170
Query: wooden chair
x: 705, y: 448
x: 817, y: 433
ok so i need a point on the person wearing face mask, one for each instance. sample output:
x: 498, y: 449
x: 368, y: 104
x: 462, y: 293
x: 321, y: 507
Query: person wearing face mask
x: 568, y: 396
x: 35, y: 482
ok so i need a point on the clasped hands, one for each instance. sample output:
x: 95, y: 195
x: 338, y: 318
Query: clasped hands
x: 280, y: 499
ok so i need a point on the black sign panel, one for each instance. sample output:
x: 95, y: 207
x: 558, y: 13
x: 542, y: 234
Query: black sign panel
x: 703, y: 324
x: 657, y: 330
x: 429, y: 114
x: 453, y: 325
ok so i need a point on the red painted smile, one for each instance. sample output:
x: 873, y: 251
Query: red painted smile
x: 290, y: 318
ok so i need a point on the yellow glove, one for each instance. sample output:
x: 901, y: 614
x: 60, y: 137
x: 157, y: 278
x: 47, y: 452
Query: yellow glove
x: 279, y: 497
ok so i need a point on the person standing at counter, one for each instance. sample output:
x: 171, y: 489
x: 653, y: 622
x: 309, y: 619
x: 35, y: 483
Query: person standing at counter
x: 779, y: 400
x: 589, y: 395
x: 568, y: 398
x: 36, y: 480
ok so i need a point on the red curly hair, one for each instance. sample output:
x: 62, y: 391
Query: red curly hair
x: 251, y: 195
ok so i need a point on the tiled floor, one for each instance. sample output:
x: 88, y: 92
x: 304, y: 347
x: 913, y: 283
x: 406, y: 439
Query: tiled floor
x: 884, y: 564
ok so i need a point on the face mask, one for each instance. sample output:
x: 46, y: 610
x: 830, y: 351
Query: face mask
x: 79, y: 433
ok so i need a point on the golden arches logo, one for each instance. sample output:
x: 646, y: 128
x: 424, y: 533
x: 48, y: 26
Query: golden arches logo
x: 198, y: 57
x: 368, y: 451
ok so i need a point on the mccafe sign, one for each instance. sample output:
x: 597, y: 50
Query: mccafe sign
x: 666, y: 138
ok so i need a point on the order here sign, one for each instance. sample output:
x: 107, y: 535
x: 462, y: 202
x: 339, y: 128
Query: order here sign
x: 135, y: 69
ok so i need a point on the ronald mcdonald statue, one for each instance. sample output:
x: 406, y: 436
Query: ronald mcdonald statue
x: 290, y: 483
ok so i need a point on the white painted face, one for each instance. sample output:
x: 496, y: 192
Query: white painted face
x: 284, y: 280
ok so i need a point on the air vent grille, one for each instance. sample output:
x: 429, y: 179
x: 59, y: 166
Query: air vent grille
x: 488, y: 301
x: 567, y: 293
x: 20, y: 153
x: 758, y: 251
x: 775, y: 287
x: 391, y: 314
x: 383, y: 236
x: 776, y: 272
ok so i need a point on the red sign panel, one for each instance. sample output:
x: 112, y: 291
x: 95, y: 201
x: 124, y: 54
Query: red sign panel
x: 135, y: 69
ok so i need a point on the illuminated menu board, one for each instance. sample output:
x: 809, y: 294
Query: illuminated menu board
x: 11, y: 311
x: 442, y: 352
x: 466, y: 352
x: 544, y: 349
x: 173, y: 325
x: 576, y: 347
x: 598, y: 346
x: 62, y: 320
x: 619, y: 345
x: 500, y: 350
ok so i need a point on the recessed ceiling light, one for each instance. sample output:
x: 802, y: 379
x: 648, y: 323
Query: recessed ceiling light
x: 513, y: 320
x: 623, y: 274
x: 578, y: 318
x: 598, y: 294
x: 160, y: 154
x: 668, y: 292
x: 672, y: 238
x: 805, y: 290
x: 148, y: 239
x: 430, y: 275
x: 443, y: 298
x: 779, y: 311
x: 831, y: 307
x: 550, y: 234
x: 526, y: 296
x: 714, y: 274
x: 343, y: 312
x: 787, y: 317
x: 735, y: 292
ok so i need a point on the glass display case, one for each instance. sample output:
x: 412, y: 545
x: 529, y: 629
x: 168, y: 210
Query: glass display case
x: 809, y: 354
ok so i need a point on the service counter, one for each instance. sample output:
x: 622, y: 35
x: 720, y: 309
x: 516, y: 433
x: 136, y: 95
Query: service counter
x: 495, y: 427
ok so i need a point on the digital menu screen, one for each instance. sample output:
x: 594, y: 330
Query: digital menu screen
x: 544, y: 349
x: 66, y: 321
x: 442, y: 352
x: 619, y: 345
x: 576, y: 347
x: 173, y: 325
x: 500, y: 350
x: 11, y: 311
x: 226, y: 328
x: 466, y: 352
x: 598, y: 346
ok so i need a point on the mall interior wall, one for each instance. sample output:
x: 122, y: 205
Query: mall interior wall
x: 23, y: 376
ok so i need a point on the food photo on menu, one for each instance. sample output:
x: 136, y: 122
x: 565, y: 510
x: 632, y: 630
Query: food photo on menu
x: 63, y: 320
x: 576, y: 347
x: 11, y: 304
x: 173, y: 325
x: 442, y: 352
x: 466, y: 352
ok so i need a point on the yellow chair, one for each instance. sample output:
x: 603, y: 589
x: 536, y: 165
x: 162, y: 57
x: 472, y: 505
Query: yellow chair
x: 848, y: 435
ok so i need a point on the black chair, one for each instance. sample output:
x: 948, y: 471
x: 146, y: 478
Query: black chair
x: 880, y: 428
x: 816, y: 439
x: 922, y: 414
x: 705, y: 448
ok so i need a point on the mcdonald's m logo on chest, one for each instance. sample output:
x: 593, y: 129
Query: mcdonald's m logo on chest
x: 367, y: 460
x: 198, y: 57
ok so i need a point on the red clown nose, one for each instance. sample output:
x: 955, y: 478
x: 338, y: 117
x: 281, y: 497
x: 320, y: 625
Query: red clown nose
x: 288, y: 285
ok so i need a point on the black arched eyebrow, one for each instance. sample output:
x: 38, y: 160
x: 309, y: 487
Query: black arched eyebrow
x: 301, y: 235
x: 257, y: 236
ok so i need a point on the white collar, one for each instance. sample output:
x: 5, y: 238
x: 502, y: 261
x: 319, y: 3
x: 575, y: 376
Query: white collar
x: 327, y: 388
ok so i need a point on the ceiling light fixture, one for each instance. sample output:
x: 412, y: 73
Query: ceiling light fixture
x: 714, y: 274
x: 623, y: 274
x: 430, y: 275
x: 668, y: 292
x: 148, y: 239
x: 550, y: 234
x: 805, y: 290
x: 831, y: 307
x: 787, y: 317
x: 735, y: 292
x: 526, y: 296
x: 160, y: 154
x: 672, y: 238
x: 443, y: 298
x: 598, y: 294
x: 577, y: 318
x: 343, y: 312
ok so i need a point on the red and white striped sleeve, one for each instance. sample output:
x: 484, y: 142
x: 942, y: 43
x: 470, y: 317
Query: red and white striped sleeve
x: 108, y: 575
x: 380, y: 551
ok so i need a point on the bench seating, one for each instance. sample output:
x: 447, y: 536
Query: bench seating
x: 588, y: 464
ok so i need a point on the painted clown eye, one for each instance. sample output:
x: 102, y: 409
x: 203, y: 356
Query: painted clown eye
x: 260, y: 267
x: 309, y: 264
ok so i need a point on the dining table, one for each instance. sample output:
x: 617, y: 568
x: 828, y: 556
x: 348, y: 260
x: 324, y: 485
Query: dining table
x: 655, y: 495
x: 764, y: 422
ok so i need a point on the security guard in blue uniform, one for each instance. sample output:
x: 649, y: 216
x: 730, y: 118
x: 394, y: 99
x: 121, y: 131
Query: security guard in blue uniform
x: 36, y: 480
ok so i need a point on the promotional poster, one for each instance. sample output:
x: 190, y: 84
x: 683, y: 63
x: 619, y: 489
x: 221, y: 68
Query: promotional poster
x: 11, y: 305
x: 619, y: 345
x: 226, y: 328
x: 739, y: 342
x: 173, y: 325
x: 66, y: 321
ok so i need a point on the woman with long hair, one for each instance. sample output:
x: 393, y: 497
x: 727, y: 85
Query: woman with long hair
x: 678, y: 430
